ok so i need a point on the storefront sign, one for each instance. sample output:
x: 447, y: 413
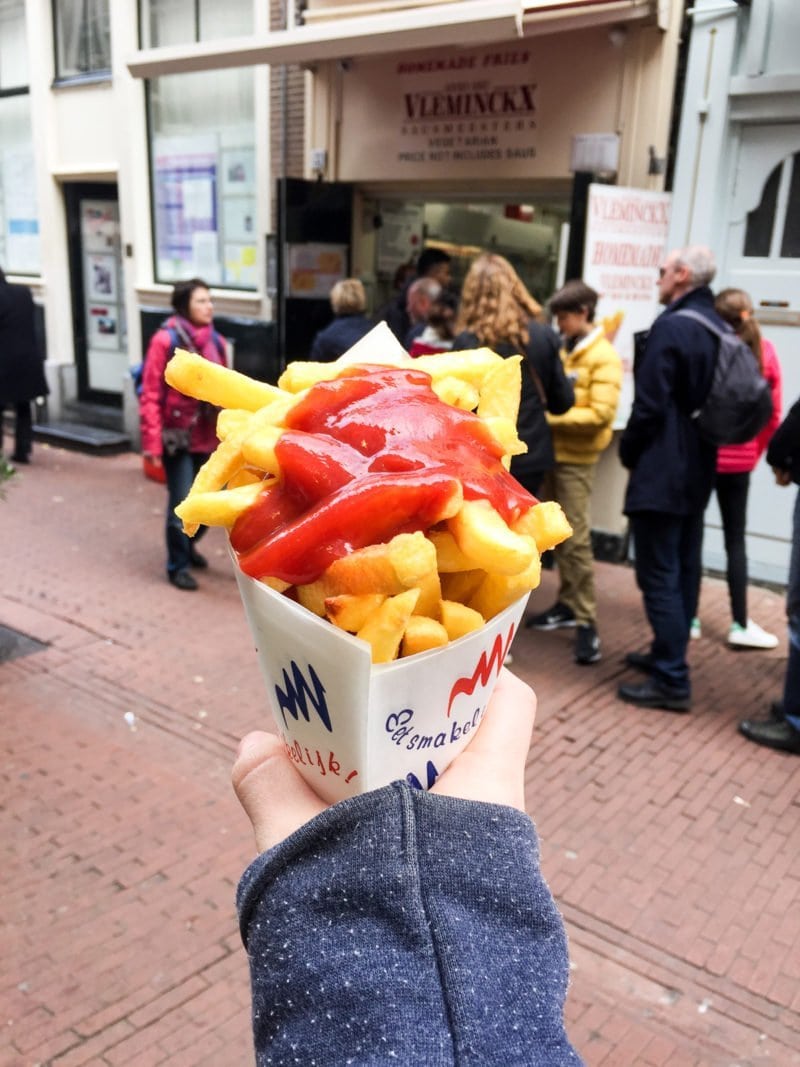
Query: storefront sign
x: 185, y: 193
x: 626, y: 234
x: 314, y: 269
x: 459, y: 112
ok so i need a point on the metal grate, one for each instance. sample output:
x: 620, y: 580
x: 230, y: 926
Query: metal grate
x: 13, y: 644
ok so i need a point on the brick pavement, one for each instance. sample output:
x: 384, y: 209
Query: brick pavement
x: 669, y: 841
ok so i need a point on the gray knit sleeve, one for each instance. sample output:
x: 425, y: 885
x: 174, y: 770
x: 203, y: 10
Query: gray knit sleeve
x: 402, y: 926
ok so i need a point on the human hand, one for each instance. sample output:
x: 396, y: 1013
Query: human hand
x: 278, y: 801
x: 782, y: 477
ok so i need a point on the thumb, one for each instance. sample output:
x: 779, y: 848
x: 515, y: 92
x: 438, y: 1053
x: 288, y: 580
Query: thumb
x: 274, y: 796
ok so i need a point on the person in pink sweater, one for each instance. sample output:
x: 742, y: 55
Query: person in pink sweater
x: 734, y: 464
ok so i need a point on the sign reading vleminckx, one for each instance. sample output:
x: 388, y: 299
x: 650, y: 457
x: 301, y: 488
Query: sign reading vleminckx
x: 446, y: 113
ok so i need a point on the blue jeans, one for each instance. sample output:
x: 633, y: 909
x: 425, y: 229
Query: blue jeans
x: 180, y: 470
x: 791, y: 684
x: 668, y: 566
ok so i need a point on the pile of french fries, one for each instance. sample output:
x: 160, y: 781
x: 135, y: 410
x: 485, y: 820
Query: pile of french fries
x: 417, y: 591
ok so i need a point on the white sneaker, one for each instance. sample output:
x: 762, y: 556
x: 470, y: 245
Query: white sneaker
x: 695, y: 630
x: 750, y: 636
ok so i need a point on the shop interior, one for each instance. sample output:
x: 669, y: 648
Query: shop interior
x: 532, y: 236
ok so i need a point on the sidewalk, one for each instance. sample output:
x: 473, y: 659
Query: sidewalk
x: 670, y: 842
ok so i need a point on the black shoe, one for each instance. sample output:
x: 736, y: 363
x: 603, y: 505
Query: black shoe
x: 587, y: 644
x: 781, y: 735
x: 552, y: 619
x: 20, y: 459
x: 197, y: 560
x: 651, y: 694
x: 182, y: 580
x: 640, y: 661
x: 776, y: 711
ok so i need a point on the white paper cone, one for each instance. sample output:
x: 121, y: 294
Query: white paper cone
x: 349, y: 725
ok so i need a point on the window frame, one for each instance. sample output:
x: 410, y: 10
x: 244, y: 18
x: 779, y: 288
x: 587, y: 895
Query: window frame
x: 89, y: 77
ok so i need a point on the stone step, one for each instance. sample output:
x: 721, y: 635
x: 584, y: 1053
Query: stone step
x: 83, y: 438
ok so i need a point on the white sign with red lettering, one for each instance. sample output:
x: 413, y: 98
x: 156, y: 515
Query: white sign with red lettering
x: 626, y: 235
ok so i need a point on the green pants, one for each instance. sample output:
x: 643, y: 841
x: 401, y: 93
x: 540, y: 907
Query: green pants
x: 571, y: 485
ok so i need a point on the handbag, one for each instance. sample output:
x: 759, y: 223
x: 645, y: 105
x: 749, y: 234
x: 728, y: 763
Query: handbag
x: 176, y: 440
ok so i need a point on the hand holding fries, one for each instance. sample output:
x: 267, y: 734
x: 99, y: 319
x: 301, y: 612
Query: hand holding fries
x: 361, y: 488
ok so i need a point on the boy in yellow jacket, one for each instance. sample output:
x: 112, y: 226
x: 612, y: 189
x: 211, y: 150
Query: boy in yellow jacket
x: 579, y: 436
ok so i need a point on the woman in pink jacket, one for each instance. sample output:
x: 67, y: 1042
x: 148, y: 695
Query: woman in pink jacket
x: 179, y: 433
x: 734, y: 464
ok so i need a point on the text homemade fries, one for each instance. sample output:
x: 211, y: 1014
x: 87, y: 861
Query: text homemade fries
x: 375, y: 494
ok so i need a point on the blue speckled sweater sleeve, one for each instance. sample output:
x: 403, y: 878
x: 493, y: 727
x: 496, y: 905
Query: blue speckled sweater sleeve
x: 402, y: 926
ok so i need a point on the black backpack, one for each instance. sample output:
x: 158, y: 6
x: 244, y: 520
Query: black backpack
x: 739, y: 402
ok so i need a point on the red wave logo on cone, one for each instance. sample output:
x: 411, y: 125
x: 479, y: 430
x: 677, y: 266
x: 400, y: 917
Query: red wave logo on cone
x: 487, y: 665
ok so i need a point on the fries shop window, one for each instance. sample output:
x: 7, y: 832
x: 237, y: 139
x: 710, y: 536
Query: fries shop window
x: 203, y: 180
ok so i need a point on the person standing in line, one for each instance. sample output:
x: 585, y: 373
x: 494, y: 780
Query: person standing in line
x: 350, y: 324
x: 420, y: 298
x: 734, y: 465
x: 179, y: 432
x: 433, y: 263
x: 22, y: 377
x: 781, y: 729
x: 580, y: 435
x: 497, y: 311
x: 671, y: 474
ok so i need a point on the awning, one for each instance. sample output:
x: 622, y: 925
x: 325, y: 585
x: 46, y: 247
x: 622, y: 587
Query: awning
x: 464, y: 23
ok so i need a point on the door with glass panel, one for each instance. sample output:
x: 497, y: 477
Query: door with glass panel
x: 98, y: 309
x: 763, y: 258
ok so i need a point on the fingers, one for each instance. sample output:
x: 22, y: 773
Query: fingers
x: 492, y: 768
x: 274, y: 796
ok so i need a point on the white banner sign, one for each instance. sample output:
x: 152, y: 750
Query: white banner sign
x: 626, y: 234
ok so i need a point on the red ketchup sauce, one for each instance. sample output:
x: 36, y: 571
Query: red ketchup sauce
x: 362, y: 458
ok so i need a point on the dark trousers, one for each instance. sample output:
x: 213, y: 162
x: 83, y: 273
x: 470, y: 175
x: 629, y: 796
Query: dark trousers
x: 180, y: 470
x: 668, y: 550
x: 732, y: 492
x: 791, y: 684
x: 23, y: 429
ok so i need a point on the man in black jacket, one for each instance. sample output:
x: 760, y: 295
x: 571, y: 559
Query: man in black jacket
x: 21, y: 372
x: 672, y: 473
x: 782, y: 729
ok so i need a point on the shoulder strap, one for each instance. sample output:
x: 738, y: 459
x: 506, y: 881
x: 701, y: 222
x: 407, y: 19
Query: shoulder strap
x: 688, y: 313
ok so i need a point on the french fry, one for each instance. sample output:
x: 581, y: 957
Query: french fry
x: 500, y: 393
x: 384, y: 630
x: 258, y: 449
x: 430, y: 594
x: 221, y: 508
x: 546, y: 523
x: 350, y: 611
x: 230, y: 420
x: 226, y: 388
x: 449, y: 557
x: 457, y: 392
x: 473, y: 365
x: 422, y: 634
x: 462, y: 585
x: 482, y: 535
x: 459, y: 620
x: 498, y: 591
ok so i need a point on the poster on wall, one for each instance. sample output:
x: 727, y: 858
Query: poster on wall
x: 314, y: 269
x: 399, y: 238
x: 626, y: 237
x: 19, y: 213
x: 185, y: 178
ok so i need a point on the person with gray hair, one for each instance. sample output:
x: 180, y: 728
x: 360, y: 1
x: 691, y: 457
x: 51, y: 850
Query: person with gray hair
x: 348, y: 302
x: 671, y: 472
x: 419, y: 298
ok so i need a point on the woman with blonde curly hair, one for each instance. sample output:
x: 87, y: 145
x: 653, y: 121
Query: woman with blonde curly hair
x: 498, y: 312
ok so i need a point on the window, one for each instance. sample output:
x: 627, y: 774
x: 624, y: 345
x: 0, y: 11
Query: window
x: 83, y: 38
x: 166, y: 22
x: 202, y: 153
x: 775, y: 222
x: 19, y: 217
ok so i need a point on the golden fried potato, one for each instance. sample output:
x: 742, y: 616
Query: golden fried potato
x: 422, y: 634
x: 546, y: 523
x: 350, y: 611
x: 484, y: 536
x: 221, y: 508
x: 498, y: 591
x: 385, y: 628
x: 221, y: 386
x: 459, y: 620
